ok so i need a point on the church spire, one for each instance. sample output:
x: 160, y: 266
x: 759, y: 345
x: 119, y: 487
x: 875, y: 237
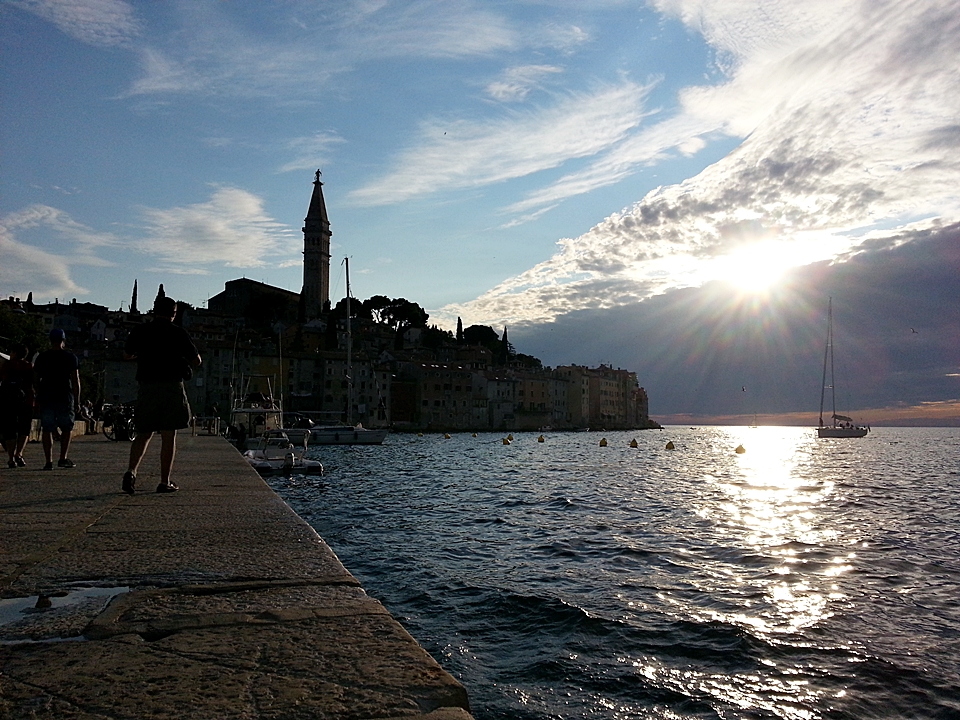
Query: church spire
x: 316, y: 254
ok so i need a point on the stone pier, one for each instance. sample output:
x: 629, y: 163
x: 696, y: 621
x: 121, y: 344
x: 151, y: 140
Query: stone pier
x: 217, y: 601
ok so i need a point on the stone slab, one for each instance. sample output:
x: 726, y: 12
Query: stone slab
x: 216, y: 602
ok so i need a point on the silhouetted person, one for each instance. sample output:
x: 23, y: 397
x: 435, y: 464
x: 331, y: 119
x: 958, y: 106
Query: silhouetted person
x: 165, y: 356
x: 58, y: 396
x: 16, y: 403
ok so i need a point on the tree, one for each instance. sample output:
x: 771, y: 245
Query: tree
x: 459, y: 331
x: 433, y: 337
x: 482, y: 335
x: 18, y: 327
x: 377, y: 306
x: 506, y: 352
x: 402, y: 314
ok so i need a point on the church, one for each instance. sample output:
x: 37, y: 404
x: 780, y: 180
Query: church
x: 264, y: 303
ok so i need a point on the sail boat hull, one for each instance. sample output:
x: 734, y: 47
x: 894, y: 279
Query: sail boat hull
x: 841, y: 432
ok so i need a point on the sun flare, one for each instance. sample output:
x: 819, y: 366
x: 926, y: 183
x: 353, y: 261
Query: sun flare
x: 755, y: 268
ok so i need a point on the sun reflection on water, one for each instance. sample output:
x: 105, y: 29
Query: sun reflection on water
x: 769, y: 510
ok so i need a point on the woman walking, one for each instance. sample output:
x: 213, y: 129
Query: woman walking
x: 16, y: 404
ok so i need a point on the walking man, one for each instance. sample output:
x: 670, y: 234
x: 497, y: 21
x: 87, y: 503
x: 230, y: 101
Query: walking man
x: 165, y: 357
x: 58, y: 396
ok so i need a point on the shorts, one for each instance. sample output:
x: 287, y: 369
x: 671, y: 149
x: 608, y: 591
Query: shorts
x: 161, y: 406
x: 58, y: 415
x: 17, y: 423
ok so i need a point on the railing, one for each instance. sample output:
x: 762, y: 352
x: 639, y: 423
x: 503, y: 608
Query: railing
x: 205, y: 425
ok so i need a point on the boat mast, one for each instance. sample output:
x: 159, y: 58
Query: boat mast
x: 828, y: 351
x: 346, y: 265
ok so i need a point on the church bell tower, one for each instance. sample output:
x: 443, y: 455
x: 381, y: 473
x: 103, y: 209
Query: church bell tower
x: 316, y: 254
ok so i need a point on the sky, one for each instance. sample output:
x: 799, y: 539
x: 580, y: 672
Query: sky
x: 675, y: 187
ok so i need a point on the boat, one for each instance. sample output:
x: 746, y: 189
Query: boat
x: 276, y: 454
x: 347, y: 433
x: 841, y: 426
x: 256, y: 411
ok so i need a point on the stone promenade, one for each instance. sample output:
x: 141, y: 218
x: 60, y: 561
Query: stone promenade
x: 217, y: 601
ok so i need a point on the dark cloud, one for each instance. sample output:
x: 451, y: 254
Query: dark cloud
x: 695, y: 349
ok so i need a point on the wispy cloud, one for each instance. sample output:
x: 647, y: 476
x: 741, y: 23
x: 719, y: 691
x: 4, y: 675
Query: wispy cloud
x: 214, y: 53
x: 95, y: 22
x: 310, y: 152
x: 460, y: 153
x: 848, y: 129
x: 231, y: 229
x: 516, y: 83
x: 28, y: 266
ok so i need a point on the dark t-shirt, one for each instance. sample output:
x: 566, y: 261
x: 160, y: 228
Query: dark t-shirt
x: 16, y: 384
x: 164, y: 351
x: 55, y: 370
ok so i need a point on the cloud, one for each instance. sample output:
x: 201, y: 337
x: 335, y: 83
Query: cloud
x: 694, y: 348
x: 310, y: 152
x: 851, y: 127
x: 215, y: 53
x: 515, y: 83
x: 29, y: 267
x: 458, y: 154
x: 231, y: 229
x: 95, y: 22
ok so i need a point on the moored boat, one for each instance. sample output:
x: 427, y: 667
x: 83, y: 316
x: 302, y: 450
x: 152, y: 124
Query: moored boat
x: 276, y: 454
x: 841, y: 426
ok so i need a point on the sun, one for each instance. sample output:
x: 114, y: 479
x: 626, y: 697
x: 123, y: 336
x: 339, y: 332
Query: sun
x: 754, y: 268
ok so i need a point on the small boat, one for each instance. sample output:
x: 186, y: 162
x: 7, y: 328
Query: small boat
x: 346, y: 435
x: 841, y: 426
x: 276, y: 454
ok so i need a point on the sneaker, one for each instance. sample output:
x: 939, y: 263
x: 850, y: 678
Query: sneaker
x: 66, y: 462
x: 167, y: 488
x: 20, y: 461
x: 48, y: 466
x: 129, y: 483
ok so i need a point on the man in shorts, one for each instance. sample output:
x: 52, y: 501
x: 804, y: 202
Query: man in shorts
x: 165, y: 356
x: 58, y: 396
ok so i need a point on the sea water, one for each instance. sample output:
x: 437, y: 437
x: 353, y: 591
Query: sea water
x: 801, y: 578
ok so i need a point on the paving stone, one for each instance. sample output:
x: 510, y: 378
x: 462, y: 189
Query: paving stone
x: 214, y: 602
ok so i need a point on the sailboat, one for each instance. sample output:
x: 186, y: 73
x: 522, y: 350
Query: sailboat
x: 841, y: 426
x: 348, y: 434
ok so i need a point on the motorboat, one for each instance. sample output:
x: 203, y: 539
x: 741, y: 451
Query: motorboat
x: 841, y: 426
x: 346, y: 435
x: 275, y: 454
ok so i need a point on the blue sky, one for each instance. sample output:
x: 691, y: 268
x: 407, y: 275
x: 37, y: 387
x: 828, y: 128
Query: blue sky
x: 512, y: 163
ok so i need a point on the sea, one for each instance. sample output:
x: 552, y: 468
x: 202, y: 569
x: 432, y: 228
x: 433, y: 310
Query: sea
x: 556, y: 577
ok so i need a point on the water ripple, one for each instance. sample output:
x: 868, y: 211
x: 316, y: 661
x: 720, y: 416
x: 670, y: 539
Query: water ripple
x: 802, y: 579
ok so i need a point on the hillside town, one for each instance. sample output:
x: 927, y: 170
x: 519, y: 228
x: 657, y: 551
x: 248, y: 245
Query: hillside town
x: 376, y: 362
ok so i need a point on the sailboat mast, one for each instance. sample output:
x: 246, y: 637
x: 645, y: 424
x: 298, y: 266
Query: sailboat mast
x: 833, y: 382
x: 346, y: 265
x: 827, y: 351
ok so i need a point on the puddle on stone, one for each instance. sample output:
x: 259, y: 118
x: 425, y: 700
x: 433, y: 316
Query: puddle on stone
x: 16, y: 610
